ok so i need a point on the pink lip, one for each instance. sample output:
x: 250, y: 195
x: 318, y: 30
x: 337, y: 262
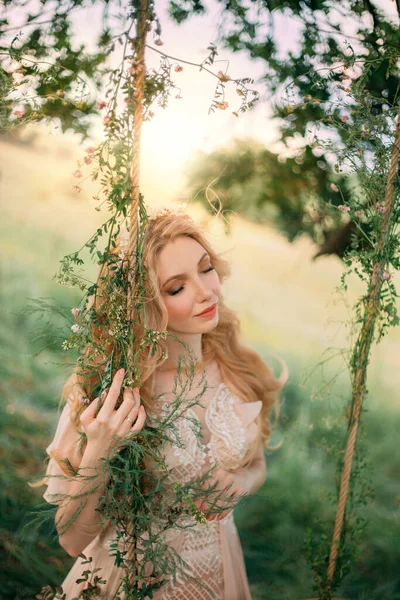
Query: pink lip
x: 208, y: 312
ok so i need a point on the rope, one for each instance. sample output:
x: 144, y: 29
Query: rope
x: 364, y: 343
x: 139, y: 78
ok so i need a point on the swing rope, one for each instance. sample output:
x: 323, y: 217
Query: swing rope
x: 363, y: 347
x: 138, y: 79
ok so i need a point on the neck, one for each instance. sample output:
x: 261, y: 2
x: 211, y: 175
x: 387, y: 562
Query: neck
x: 189, y: 350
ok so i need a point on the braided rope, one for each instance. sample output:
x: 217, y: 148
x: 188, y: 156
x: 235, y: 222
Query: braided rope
x: 139, y: 78
x: 364, y: 344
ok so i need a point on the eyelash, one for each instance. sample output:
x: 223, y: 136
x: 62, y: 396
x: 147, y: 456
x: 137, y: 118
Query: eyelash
x: 181, y: 288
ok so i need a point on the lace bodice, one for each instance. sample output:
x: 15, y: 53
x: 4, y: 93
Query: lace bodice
x: 232, y: 428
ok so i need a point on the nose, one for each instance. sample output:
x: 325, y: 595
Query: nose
x: 204, y: 293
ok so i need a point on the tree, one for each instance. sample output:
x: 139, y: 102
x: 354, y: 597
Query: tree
x: 328, y: 58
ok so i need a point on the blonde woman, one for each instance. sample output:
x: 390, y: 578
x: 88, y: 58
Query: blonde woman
x: 183, y: 283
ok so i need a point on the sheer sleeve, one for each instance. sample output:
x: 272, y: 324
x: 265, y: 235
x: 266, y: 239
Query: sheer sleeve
x: 253, y: 476
x: 64, y: 453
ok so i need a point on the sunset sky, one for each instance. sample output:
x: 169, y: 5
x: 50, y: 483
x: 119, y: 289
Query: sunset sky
x: 175, y: 133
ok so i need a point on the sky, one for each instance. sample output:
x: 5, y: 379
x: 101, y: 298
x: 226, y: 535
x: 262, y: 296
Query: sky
x: 173, y: 136
x: 184, y: 127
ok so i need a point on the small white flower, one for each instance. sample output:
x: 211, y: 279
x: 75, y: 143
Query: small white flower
x: 75, y: 311
x: 75, y: 328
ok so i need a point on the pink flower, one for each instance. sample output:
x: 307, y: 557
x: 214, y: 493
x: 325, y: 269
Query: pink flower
x: 83, y: 400
x: 159, y: 42
x: 380, y: 208
x: 75, y: 311
x: 334, y: 187
x: 77, y: 173
x: 101, y: 104
x: 386, y: 275
x: 344, y: 118
x: 77, y: 189
x: 135, y: 68
x: 87, y: 160
x: 359, y: 213
x: 75, y: 328
x: 19, y: 113
x: 107, y: 121
x: 178, y: 69
x: 343, y: 209
x: 89, y: 150
x: 221, y: 105
x: 222, y: 77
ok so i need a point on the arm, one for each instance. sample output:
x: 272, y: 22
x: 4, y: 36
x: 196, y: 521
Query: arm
x: 77, y: 520
x: 248, y: 480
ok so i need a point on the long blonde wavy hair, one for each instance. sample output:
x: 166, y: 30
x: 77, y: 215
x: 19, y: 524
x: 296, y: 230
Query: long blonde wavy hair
x: 242, y: 368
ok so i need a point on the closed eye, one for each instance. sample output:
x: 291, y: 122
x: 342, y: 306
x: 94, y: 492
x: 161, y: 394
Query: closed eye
x: 174, y: 292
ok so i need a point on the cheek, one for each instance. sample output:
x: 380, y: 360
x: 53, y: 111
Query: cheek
x: 178, y: 308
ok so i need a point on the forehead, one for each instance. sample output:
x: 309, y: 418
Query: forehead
x: 178, y: 256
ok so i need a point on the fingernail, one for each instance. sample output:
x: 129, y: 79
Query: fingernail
x: 121, y: 371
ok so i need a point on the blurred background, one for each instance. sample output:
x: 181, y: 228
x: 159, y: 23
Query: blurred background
x: 285, y: 285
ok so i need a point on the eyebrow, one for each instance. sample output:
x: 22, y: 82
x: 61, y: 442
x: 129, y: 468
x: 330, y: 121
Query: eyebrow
x: 183, y: 275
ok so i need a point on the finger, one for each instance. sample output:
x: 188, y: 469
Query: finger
x: 130, y: 419
x: 129, y: 402
x: 90, y: 412
x: 112, y: 396
x: 140, y: 421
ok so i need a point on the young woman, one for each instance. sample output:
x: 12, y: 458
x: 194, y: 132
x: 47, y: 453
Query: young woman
x: 183, y: 297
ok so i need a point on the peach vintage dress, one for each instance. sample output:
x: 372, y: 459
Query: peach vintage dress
x: 213, y: 550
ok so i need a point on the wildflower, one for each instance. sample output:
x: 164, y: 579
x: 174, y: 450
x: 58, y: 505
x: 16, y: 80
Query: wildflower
x: 75, y: 328
x: 135, y: 68
x: 159, y: 42
x: 87, y: 160
x: 89, y: 150
x: 359, y: 213
x: 380, y: 208
x: 334, y: 187
x: 344, y: 118
x: 83, y: 400
x: 386, y: 275
x: 178, y: 69
x: 107, y: 121
x: 19, y: 113
x: 307, y: 98
x: 343, y: 208
x: 77, y: 189
x: 222, y: 77
x: 75, y: 311
x: 221, y: 105
x: 77, y: 173
x: 60, y: 93
x: 101, y: 104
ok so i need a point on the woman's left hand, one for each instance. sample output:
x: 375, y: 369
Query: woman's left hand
x: 227, y: 482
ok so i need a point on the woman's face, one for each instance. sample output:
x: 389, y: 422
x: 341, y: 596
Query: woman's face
x: 194, y: 286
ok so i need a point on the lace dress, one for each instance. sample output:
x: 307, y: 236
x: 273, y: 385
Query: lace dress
x: 212, y: 551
